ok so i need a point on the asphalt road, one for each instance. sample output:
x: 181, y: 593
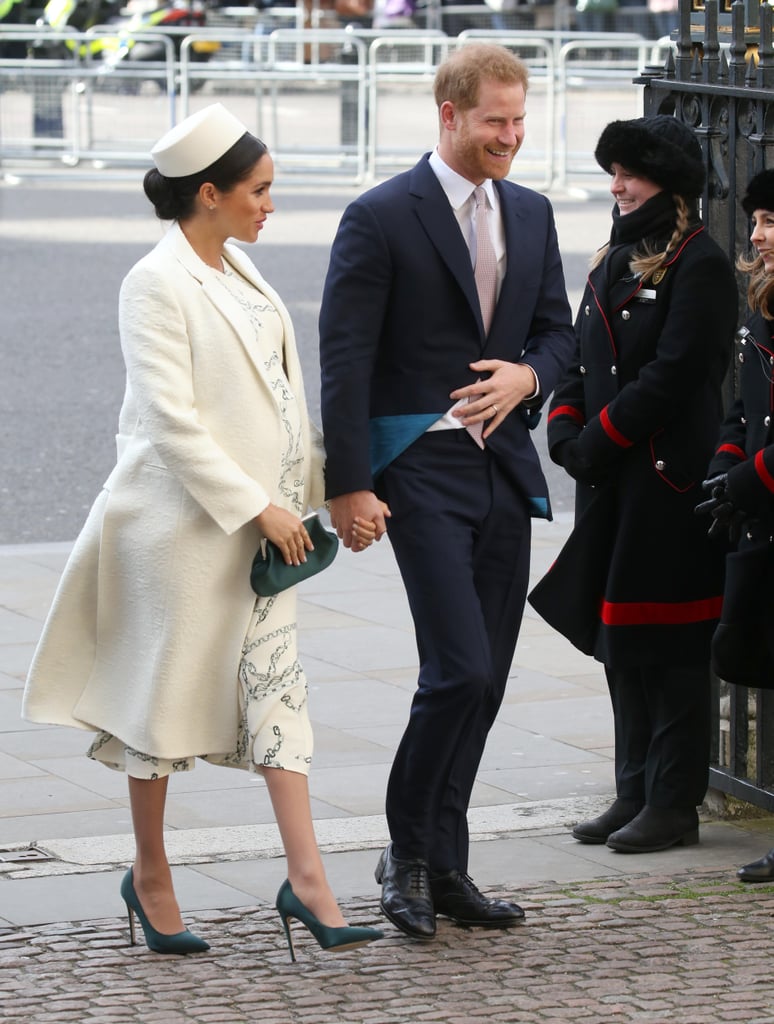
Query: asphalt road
x: 64, y: 249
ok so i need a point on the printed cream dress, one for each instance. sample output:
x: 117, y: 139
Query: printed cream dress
x: 274, y: 728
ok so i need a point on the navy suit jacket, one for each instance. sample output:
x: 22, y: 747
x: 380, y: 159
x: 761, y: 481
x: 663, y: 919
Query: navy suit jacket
x: 400, y: 323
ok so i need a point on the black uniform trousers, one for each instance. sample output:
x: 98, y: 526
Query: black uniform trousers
x: 460, y: 530
x: 662, y: 733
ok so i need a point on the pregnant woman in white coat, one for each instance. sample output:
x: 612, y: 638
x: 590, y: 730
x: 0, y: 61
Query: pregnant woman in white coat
x: 155, y: 641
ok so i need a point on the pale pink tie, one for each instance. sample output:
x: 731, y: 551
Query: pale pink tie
x: 485, y: 273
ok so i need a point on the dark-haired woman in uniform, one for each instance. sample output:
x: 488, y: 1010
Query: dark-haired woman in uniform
x: 741, y: 475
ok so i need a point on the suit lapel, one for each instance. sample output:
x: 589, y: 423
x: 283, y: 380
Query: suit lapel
x: 438, y: 220
x: 515, y: 242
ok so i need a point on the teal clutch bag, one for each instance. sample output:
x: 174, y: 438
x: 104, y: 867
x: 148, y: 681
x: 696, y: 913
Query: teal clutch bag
x: 270, y: 574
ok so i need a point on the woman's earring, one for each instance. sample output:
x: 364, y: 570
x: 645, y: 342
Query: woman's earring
x: 212, y: 207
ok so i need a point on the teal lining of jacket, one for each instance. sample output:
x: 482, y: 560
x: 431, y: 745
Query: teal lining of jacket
x: 389, y: 436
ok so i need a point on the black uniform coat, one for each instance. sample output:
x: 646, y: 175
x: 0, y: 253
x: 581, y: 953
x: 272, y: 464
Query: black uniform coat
x: 638, y: 581
x: 746, y: 447
x: 743, y: 647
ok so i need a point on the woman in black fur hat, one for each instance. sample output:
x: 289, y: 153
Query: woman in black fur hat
x: 742, y: 480
x: 639, y: 584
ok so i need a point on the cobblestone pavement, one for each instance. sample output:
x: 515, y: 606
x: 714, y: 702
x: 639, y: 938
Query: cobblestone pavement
x: 691, y: 948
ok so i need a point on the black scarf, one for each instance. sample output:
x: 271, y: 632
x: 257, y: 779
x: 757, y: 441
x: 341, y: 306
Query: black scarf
x: 651, y: 223
x: 654, y: 220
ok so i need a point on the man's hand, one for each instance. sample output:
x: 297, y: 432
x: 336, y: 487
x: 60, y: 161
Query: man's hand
x: 358, y: 518
x: 497, y: 396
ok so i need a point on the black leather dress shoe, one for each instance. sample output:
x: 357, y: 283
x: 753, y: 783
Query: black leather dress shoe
x: 657, y: 828
x: 455, y: 896
x: 406, y: 899
x: 759, y: 871
x: 618, y: 814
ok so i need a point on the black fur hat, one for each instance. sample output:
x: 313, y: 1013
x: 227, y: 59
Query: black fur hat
x: 759, y: 194
x: 659, y: 148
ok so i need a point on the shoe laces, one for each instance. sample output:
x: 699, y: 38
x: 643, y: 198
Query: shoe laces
x: 418, y: 881
x: 469, y: 883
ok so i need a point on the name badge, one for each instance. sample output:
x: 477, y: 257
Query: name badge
x: 646, y: 295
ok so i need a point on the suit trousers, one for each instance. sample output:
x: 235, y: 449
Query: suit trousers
x: 662, y: 733
x: 460, y: 530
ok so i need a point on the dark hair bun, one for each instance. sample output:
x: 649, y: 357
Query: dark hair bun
x: 163, y: 194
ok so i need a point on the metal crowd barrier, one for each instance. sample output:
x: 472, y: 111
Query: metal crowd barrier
x: 347, y: 105
x: 579, y: 77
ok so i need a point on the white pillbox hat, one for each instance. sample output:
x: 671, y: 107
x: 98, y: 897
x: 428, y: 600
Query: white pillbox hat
x: 197, y: 142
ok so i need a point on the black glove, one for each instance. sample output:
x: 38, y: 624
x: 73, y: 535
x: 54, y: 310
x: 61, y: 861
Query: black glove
x: 569, y: 457
x: 726, y: 516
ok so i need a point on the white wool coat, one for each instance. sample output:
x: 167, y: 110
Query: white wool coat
x: 145, y: 633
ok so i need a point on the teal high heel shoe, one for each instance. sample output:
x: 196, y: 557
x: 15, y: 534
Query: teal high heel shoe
x: 336, y: 940
x: 180, y: 942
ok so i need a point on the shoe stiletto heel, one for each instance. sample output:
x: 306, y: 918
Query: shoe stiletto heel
x: 335, y: 940
x: 180, y: 942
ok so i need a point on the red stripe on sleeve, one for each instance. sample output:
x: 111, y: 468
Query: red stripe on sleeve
x: 612, y: 433
x: 567, y: 410
x: 762, y: 470
x: 732, y: 449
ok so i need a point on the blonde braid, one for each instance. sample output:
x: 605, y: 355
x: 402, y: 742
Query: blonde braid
x: 598, y: 256
x: 647, y: 262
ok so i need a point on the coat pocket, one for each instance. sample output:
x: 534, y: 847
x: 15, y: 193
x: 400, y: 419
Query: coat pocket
x: 674, y: 461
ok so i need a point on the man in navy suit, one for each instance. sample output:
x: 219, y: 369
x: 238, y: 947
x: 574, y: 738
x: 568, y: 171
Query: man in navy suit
x: 432, y: 372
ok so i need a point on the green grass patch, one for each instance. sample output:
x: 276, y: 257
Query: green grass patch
x: 673, y: 890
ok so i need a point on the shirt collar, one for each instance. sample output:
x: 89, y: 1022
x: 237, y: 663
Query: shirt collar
x: 458, y: 189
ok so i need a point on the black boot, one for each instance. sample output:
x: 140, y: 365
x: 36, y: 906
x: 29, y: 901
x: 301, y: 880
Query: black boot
x: 759, y: 871
x: 657, y: 828
x: 618, y: 814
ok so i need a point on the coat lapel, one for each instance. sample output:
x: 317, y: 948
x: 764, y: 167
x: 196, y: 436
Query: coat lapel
x: 223, y: 301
